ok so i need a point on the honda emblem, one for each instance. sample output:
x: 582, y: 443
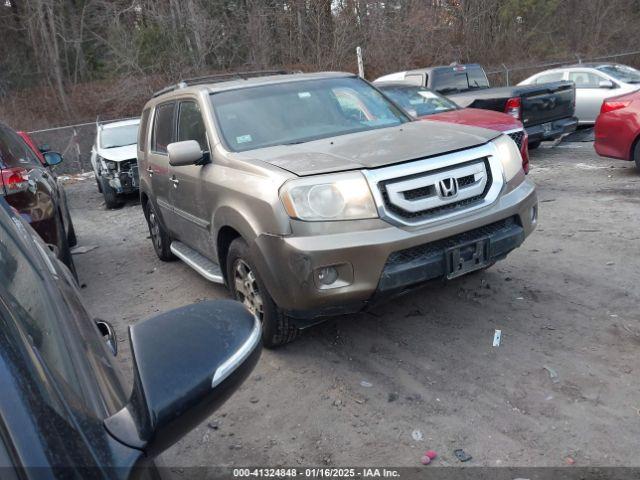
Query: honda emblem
x: 448, y: 187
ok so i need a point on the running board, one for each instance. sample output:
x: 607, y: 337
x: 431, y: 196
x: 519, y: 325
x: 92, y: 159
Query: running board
x: 201, y: 264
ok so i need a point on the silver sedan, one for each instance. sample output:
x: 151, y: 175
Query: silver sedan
x: 594, y: 82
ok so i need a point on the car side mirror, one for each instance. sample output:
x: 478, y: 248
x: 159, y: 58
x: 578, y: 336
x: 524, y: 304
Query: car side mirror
x: 109, y: 335
x: 186, y: 363
x: 44, y: 148
x: 187, y: 152
x: 605, y: 84
x: 52, y: 158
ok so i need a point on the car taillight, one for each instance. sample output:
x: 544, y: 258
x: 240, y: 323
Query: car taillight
x: 513, y: 107
x: 14, y: 180
x: 611, y: 105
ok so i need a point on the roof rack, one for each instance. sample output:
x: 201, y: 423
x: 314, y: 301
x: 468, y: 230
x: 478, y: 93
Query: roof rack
x: 222, y: 77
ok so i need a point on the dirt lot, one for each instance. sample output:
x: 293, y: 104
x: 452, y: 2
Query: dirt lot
x: 353, y: 390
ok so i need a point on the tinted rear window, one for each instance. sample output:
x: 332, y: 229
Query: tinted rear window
x: 457, y: 78
x: 163, y: 127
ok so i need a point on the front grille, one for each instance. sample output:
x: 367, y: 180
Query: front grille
x: 517, y: 137
x: 421, y: 252
x: 427, y: 191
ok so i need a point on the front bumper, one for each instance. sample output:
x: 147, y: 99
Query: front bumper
x: 385, y: 259
x: 555, y: 129
x: 124, y: 182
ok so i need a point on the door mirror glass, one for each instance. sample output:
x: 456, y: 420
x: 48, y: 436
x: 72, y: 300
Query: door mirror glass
x: 109, y: 334
x: 52, y: 158
x: 185, y: 153
x: 186, y: 363
x: 605, y: 84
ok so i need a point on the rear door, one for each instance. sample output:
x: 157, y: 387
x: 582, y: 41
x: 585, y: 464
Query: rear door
x: 192, y: 204
x: 162, y: 134
x: 589, y: 95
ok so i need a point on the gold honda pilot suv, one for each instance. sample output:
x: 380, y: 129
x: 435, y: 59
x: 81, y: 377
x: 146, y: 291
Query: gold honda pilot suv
x: 312, y: 195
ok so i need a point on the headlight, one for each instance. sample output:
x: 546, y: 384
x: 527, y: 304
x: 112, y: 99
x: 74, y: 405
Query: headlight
x: 509, y: 156
x: 344, y: 196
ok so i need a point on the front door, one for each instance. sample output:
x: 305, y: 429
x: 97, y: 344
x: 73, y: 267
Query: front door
x: 189, y: 195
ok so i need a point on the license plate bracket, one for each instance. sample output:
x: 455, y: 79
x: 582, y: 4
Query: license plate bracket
x: 467, y: 257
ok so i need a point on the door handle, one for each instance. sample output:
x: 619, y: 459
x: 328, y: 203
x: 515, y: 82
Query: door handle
x: 175, y: 181
x: 150, y: 171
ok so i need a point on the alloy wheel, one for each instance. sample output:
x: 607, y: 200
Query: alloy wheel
x: 246, y: 287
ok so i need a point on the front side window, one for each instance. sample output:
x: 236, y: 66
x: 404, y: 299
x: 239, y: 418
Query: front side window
x: 112, y: 137
x: 25, y: 296
x: 419, y: 99
x: 163, y: 127
x: 622, y: 73
x: 302, y: 111
x: 14, y: 152
x: 191, y: 126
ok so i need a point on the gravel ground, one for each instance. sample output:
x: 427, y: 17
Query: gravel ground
x: 379, y: 388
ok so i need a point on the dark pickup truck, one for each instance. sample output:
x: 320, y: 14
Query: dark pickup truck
x: 546, y: 110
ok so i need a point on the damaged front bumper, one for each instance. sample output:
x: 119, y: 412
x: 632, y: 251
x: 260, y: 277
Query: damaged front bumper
x: 122, y: 176
x: 322, y: 275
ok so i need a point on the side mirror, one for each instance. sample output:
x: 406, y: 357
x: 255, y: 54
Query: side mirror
x: 185, y: 153
x: 186, y: 363
x: 109, y: 334
x: 52, y: 158
x: 605, y: 84
x: 44, y: 148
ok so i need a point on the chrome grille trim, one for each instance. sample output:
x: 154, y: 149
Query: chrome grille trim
x: 450, y: 163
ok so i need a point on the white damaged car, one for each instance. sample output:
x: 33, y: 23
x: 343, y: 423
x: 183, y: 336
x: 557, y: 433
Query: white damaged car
x: 113, y: 158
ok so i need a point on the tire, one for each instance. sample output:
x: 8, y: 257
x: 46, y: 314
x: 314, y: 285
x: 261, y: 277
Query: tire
x: 99, y: 184
x: 111, y: 199
x: 72, y: 240
x: 277, y: 328
x: 534, y: 145
x: 159, y: 237
x: 64, y: 252
x: 636, y: 154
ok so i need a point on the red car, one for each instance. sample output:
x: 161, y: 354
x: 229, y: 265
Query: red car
x: 426, y: 104
x: 618, y: 128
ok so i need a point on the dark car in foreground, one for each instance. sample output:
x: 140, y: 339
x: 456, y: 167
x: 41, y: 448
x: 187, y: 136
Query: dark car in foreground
x: 426, y: 104
x: 546, y: 111
x: 31, y: 187
x: 617, y: 129
x: 65, y: 411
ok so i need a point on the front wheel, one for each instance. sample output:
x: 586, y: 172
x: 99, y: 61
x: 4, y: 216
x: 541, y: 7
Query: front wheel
x: 111, y: 199
x: 247, y: 287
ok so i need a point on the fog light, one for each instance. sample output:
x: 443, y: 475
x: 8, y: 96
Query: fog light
x: 327, y: 275
x: 534, y: 214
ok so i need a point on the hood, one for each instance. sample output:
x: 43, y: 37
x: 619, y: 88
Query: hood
x: 477, y: 118
x: 118, y: 154
x: 371, y: 149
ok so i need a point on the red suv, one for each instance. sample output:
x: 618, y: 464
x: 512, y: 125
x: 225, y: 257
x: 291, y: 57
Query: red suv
x: 31, y: 188
x: 426, y: 104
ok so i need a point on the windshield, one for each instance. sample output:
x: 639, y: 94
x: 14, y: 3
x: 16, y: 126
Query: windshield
x: 298, y: 112
x: 119, y: 136
x: 621, y: 72
x: 419, y: 99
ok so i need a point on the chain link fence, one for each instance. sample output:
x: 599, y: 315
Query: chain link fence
x: 74, y: 142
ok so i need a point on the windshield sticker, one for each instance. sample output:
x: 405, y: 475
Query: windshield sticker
x: 304, y: 94
x: 427, y: 94
x: 244, y: 139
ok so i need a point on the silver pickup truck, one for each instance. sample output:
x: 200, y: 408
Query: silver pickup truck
x: 312, y: 195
